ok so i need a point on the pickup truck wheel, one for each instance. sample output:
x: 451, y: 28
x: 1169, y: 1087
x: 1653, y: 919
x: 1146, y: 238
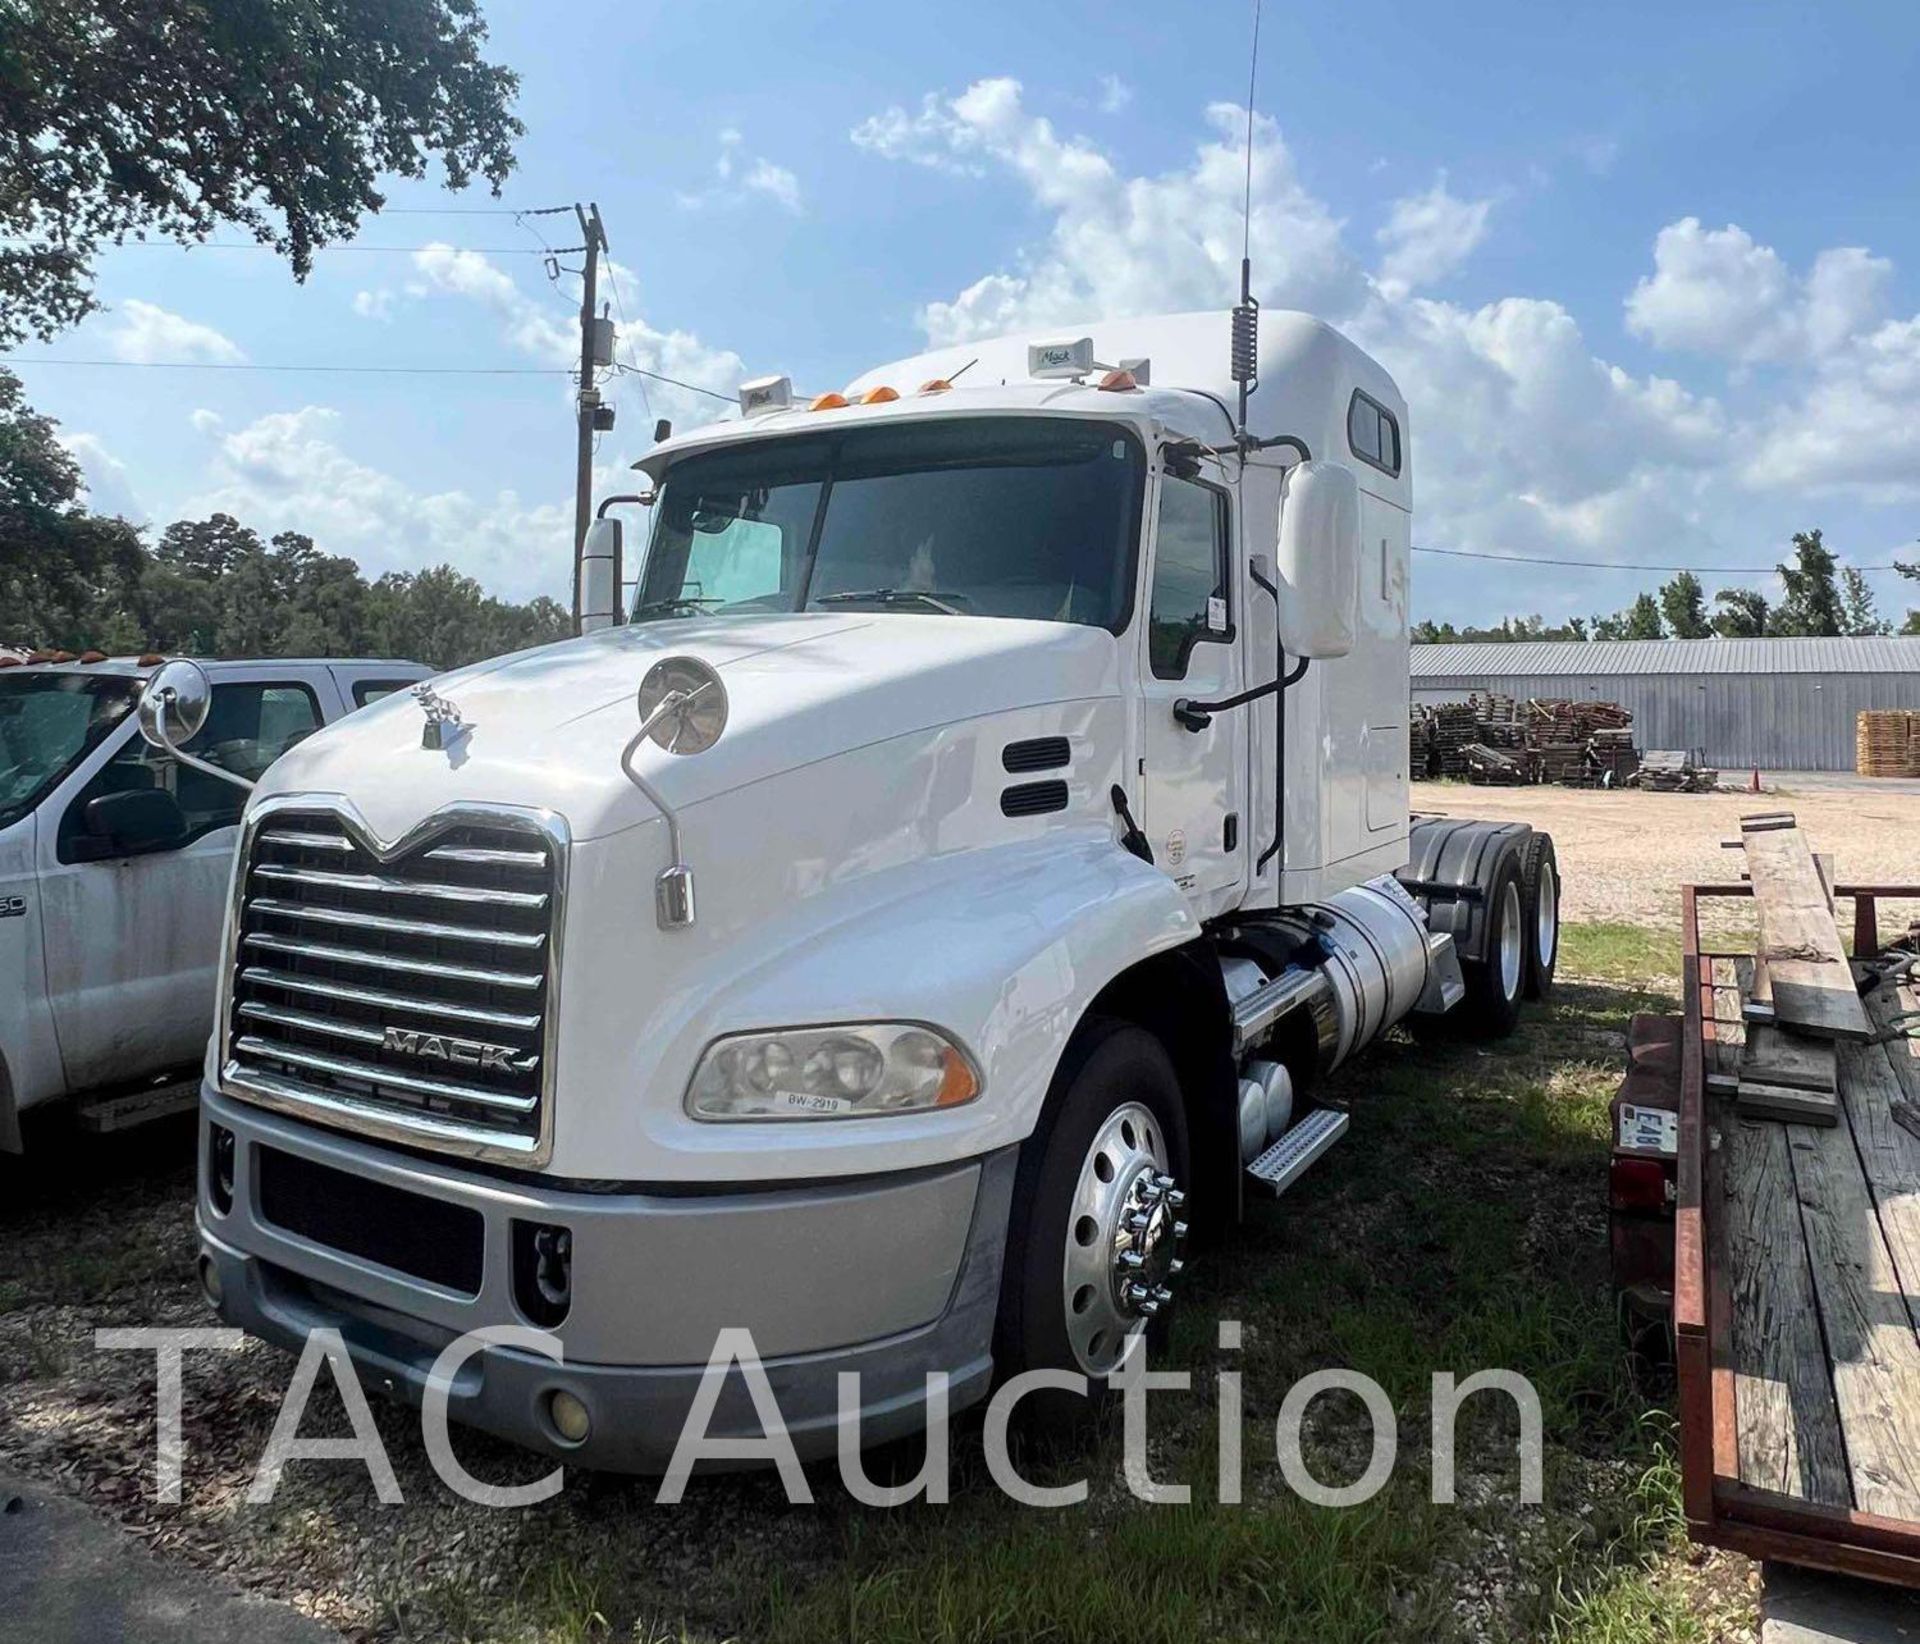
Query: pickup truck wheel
x: 1093, y: 1252
x: 1496, y: 981
x: 1540, y: 899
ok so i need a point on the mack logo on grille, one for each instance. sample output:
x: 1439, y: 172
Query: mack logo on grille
x: 442, y: 1047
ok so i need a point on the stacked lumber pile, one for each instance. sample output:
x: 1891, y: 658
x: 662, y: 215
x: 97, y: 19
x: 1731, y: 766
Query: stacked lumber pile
x: 1672, y: 770
x: 1492, y: 766
x: 1452, y: 725
x: 1800, y: 997
x: 1887, y: 742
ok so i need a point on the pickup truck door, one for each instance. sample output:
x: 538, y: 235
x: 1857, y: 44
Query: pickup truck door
x: 1193, y: 811
x: 132, y: 940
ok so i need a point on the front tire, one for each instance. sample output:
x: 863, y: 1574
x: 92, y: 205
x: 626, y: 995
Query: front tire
x: 1496, y: 981
x: 1097, y: 1187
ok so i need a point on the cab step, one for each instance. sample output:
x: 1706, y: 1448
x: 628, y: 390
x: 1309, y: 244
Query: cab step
x: 138, y: 1107
x: 1288, y: 1159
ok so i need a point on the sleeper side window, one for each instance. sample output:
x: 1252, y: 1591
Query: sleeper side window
x: 1373, y: 433
x: 1189, y: 599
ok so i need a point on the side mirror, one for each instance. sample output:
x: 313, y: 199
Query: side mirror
x: 174, y: 709
x: 600, y: 576
x: 125, y: 824
x: 1319, y: 559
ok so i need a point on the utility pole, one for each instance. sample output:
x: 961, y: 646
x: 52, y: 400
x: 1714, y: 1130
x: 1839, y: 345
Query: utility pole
x: 588, y: 403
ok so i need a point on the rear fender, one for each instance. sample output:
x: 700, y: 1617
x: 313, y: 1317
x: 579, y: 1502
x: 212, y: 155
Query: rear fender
x: 1452, y: 863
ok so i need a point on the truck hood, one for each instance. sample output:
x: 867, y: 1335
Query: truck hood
x: 546, y: 728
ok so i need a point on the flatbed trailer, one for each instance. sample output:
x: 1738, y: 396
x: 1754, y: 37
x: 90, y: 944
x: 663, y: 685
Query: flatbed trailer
x: 1797, y: 1289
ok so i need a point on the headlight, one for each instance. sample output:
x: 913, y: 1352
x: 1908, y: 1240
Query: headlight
x: 856, y: 1071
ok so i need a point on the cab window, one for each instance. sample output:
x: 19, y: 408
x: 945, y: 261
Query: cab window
x: 249, y: 725
x: 1189, y: 600
x: 372, y: 690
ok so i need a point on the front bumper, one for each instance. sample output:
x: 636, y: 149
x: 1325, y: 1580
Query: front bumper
x: 889, y: 1277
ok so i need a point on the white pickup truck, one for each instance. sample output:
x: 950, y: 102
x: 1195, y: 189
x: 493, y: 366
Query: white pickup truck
x: 114, y: 864
x: 1011, y: 835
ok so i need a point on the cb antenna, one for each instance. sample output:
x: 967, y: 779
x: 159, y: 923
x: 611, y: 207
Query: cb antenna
x: 1246, y: 313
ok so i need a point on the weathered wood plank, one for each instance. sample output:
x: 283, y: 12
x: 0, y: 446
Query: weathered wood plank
x: 1890, y: 1155
x: 1889, y: 1006
x: 1774, y: 1057
x: 1788, y: 1425
x: 1869, y: 1333
x: 1805, y: 1107
x: 1813, y: 987
x: 1759, y: 1001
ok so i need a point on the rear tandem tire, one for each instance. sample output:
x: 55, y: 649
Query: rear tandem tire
x: 1496, y: 981
x: 1540, y: 907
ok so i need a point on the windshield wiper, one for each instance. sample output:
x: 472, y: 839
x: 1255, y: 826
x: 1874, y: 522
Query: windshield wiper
x: 895, y: 596
x: 685, y: 603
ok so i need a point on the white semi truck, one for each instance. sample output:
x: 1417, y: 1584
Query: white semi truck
x: 1010, y: 836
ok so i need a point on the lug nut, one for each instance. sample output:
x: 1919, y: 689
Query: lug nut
x: 1179, y: 1230
x: 1175, y: 1268
x: 1132, y: 1260
x: 1175, y: 1199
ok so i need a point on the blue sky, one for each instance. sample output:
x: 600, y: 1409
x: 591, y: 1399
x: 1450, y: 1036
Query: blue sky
x: 1649, y: 275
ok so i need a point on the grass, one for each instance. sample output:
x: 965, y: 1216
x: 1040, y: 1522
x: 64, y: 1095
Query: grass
x: 1461, y: 1226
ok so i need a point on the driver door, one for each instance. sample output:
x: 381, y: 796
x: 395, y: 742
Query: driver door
x: 1191, y: 781
x: 132, y: 940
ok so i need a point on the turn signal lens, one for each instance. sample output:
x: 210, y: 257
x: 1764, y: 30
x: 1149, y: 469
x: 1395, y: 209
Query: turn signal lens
x: 860, y: 1070
x: 880, y: 395
x: 827, y: 402
x: 1115, y: 382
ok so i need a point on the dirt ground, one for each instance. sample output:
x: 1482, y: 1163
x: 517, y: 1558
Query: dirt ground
x: 1624, y: 855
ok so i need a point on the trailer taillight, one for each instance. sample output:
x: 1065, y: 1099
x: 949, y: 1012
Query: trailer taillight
x: 1640, y: 1184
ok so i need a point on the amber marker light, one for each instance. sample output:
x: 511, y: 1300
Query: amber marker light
x: 827, y: 402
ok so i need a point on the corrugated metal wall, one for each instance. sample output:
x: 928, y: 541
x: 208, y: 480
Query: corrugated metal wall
x: 1778, y: 722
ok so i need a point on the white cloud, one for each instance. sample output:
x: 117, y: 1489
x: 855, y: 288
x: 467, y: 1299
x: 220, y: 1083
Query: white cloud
x: 1857, y: 425
x: 1427, y: 236
x: 109, y: 486
x: 1719, y: 292
x: 374, y: 305
x: 1115, y: 94
x: 740, y: 176
x: 288, y: 471
x: 1121, y: 245
x: 543, y: 329
x: 143, y: 333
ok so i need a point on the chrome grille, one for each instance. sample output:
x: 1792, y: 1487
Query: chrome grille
x: 405, y: 992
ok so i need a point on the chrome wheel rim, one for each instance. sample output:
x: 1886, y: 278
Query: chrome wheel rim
x: 1547, y: 915
x: 1512, y: 941
x: 1123, y: 1238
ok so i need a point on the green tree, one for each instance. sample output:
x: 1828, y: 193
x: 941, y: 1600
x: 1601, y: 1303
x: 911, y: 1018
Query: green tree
x: 1744, y: 613
x: 134, y: 117
x: 63, y: 568
x: 1912, y: 624
x: 1683, y: 602
x: 443, y: 618
x: 1859, y: 614
x: 1643, y: 619
x: 1812, y: 604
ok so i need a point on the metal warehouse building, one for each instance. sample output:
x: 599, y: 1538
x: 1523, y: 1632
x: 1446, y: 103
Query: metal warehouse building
x: 1779, y: 704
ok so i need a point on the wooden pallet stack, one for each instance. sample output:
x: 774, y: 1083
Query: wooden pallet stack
x: 1453, y: 726
x: 1887, y: 742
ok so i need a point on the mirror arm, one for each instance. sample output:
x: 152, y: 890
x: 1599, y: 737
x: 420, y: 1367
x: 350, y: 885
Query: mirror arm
x: 673, y: 889
x: 185, y: 758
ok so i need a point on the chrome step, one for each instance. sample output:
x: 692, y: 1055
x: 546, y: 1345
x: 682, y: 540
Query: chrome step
x: 1288, y: 1159
x: 1256, y: 1014
x: 138, y: 1107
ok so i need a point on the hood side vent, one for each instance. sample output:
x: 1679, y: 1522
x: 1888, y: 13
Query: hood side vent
x: 1033, y: 798
x: 1040, y: 753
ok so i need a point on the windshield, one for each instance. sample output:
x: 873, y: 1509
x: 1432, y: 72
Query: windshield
x: 980, y: 516
x: 48, y: 724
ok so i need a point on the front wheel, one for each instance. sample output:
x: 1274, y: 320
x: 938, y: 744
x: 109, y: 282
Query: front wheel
x: 1496, y: 980
x: 1094, y: 1250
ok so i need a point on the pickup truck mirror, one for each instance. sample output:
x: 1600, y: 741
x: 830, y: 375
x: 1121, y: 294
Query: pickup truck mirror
x: 600, y: 576
x: 126, y: 824
x: 174, y: 709
x: 1319, y: 559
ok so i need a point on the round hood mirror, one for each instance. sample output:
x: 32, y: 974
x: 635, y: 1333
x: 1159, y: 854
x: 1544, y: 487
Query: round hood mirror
x: 183, y: 689
x: 683, y: 705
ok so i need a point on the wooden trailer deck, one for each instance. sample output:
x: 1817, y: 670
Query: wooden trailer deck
x: 1797, y: 1287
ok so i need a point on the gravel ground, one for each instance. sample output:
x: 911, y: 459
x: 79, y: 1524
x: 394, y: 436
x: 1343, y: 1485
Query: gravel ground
x: 1625, y: 855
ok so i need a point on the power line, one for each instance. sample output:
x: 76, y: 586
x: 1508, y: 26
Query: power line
x: 260, y: 365
x: 661, y: 376
x: 1617, y: 565
x: 260, y: 245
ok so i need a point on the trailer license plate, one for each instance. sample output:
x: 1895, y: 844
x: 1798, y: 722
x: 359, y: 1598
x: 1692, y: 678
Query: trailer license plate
x: 1650, y: 1129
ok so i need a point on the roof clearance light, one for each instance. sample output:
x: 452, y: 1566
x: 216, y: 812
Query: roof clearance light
x: 880, y: 395
x: 765, y: 395
x: 1118, y: 382
x: 827, y: 402
x: 936, y: 385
